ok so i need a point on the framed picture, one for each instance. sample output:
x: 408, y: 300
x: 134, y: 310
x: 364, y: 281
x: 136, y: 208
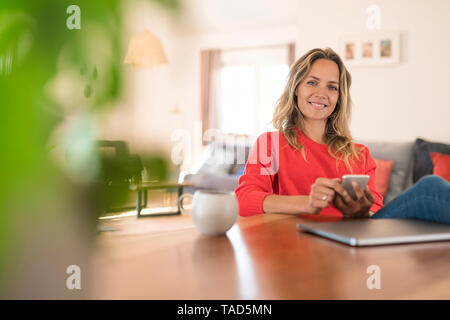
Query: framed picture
x: 376, y: 48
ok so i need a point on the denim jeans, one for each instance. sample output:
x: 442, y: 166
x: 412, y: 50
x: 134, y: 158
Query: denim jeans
x: 428, y: 199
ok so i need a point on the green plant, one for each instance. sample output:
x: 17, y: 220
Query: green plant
x: 37, y: 53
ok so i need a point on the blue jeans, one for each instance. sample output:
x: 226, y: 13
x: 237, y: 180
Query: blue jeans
x: 428, y: 199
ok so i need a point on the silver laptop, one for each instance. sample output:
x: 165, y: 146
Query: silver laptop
x: 371, y: 232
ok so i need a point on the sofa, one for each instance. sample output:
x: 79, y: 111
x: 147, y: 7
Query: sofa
x: 220, y: 170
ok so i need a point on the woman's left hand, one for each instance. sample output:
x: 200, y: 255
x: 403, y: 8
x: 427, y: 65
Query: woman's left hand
x: 358, y: 208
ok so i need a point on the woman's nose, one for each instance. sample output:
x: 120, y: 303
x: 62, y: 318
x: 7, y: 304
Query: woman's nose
x: 319, y: 96
x: 320, y: 93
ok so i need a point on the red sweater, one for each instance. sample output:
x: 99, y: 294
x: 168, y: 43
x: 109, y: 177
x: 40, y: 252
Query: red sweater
x: 285, y: 172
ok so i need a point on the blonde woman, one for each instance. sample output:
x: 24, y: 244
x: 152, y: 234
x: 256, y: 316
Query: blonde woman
x: 298, y: 169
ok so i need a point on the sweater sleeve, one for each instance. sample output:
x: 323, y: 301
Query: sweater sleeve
x: 370, y: 170
x: 256, y: 181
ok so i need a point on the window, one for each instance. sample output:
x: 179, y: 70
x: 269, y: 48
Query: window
x: 251, y: 82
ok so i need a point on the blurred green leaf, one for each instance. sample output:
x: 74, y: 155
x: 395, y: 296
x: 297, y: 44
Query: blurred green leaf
x: 87, y: 91
x: 40, y: 51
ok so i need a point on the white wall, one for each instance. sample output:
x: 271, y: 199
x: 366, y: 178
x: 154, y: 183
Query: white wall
x: 393, y: 103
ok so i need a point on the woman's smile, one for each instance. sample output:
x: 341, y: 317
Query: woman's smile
x: 317, y: 106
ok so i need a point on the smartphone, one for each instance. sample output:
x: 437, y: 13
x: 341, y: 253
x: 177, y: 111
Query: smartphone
x: 347, y: 180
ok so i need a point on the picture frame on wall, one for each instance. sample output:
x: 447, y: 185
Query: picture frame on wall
x: 376, y: 48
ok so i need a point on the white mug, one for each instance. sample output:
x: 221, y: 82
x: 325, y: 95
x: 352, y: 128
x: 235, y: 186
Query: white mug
x: 214, y: 212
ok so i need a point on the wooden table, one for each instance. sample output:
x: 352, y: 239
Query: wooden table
x: 261, y: 257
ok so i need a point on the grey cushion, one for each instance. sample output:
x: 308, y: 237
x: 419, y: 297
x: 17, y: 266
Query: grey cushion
x: 225, y: 158
x: 220, y: 167
x: 220, y: 159
x: 241, y: 155
x: 402, y: 155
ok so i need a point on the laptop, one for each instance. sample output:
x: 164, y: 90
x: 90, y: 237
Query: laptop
x: 372, y: 232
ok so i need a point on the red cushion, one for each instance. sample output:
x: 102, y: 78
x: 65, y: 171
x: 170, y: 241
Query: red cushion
x: 441, y: 164
x: 382, y: 175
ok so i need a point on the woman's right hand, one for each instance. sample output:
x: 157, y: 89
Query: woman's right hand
x: 322, y: 193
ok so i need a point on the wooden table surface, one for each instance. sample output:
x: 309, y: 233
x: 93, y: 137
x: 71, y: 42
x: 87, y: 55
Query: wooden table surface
x: 260, y: 257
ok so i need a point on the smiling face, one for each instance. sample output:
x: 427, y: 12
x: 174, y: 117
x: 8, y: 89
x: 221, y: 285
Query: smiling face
x: 318, y: 93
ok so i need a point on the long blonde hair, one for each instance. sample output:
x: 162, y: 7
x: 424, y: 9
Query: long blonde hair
x: 287, y: 115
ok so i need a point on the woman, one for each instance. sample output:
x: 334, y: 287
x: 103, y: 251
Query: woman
x: 299, y: 168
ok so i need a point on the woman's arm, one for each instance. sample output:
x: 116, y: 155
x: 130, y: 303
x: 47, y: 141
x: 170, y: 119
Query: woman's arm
x: 286, y: 204
x: 323, y: 192
x: 256, y: 182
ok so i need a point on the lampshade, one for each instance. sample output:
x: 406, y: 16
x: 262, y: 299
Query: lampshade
x: 145, y: 51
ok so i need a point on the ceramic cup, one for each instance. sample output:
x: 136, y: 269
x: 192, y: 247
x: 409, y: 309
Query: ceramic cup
x: 213, y: 212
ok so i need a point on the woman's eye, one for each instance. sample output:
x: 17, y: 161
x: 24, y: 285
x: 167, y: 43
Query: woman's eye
x: 311, y: 82
x: 333, y: 88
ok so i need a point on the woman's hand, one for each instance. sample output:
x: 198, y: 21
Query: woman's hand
x: 323, y: 192
x: 358, y: 208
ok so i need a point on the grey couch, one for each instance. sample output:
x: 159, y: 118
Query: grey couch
x: 402, y: 153
x: 219, y: 167
x: 214, y: 173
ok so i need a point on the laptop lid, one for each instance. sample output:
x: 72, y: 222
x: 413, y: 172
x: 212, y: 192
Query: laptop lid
x: 370, y: 232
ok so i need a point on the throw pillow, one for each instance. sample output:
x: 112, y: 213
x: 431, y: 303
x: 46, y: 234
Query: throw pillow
x: 441, y: 165
x: 422, y: 161
x: 383, y: 175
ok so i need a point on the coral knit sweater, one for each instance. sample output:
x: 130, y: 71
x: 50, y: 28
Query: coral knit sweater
x: 274, y: 167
